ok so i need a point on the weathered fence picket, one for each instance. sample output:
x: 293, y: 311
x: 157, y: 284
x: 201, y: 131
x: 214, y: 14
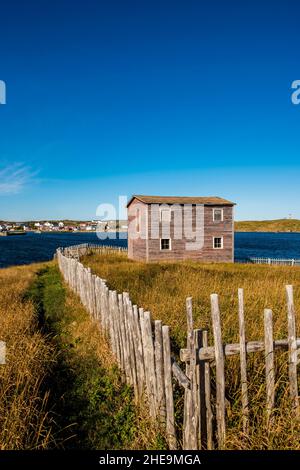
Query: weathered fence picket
x: 292, y: 348
x: 189, y: 436
x: 207, y: 379
x: 143, y: 353
x: 170, y: 419
x: 220, y: 370
x: 159, y: 366
x: 269, y: 357
x: 243, y: 360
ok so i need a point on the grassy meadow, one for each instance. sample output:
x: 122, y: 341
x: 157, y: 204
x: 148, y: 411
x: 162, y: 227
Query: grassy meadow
x: 25, y: 422
x: 277, y: 225
x: 162, y: 289
x: 60, y: 387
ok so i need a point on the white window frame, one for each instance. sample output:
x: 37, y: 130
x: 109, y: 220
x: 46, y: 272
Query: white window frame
x: 170, y: 244
x: 222, y: 216
x: 164, y: 209
x: 222, y: 243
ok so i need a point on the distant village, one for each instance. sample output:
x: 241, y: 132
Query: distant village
x: 65, y: 226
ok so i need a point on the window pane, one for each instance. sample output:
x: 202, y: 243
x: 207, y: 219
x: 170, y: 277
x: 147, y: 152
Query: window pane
x: 165, y: 215
x: 217, y: 242
x: 165, y: 243
x: 217, y: 215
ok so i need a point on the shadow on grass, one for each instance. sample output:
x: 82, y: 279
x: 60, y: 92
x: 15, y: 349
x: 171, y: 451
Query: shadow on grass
x: 92, y: 408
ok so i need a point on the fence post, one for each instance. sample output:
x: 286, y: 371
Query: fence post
x: 170, y: 423
x: 269, y: 357
x: 209, y: 413
x: 132, y: 362
x: 189, y: 411
x: 149, y: 363
x: 243, y: 361
x: 134, y: 345
x: 124, y: 339
x: 159, y: 366
x: 139, y: 350
x: 292, y: 348
x: 200, y: 401
x: 220, y: 372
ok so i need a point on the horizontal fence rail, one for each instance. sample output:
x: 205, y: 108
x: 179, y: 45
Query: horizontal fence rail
x: 142, y: 349
x: 276, y: 261
x: 76, y: 251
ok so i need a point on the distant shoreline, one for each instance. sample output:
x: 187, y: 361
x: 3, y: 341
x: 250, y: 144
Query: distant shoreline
x: 236, y: 230
x: 77, y: 231
x: 267, y: 226
x: 267, y: 231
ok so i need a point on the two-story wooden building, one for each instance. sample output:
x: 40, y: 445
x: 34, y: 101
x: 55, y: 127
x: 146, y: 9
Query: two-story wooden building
x: 178, y: 228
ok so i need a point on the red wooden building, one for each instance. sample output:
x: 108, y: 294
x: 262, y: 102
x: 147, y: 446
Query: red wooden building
x: 178, y: 228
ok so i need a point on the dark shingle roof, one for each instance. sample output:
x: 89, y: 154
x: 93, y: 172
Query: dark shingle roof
x: 212, y: 200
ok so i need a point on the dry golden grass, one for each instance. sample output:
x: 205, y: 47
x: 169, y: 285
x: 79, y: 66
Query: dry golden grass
x: 162, y: 289
x: 89, y: 341
x: 94, y: 408
x: 60, y: 386
x: 24, y: 422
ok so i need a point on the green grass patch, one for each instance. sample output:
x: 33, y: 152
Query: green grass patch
x: 93, y: 408
x: 277, y: 225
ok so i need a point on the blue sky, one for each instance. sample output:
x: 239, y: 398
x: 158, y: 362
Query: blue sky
x: 108, y: 98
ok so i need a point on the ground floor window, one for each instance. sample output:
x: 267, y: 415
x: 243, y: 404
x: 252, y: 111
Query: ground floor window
x: 165, y: 244
x: 218, y: 243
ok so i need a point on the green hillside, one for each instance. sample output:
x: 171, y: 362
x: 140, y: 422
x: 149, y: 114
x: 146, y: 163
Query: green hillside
x: 279, y: 225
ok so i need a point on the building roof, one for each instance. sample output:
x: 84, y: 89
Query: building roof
x: 211, y: 200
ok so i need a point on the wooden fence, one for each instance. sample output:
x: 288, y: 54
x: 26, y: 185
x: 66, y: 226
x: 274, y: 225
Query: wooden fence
x: 276, y: 261
x: 76, y: 251
x: 143, y: 352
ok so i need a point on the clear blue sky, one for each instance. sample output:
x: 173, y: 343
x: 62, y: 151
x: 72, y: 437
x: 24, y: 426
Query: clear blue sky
x: 161, y: 97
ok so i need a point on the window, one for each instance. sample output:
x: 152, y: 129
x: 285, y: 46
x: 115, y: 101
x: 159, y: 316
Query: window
x: 165, y: 215
x: 138, y: 220
x: 165, y: 244
x: 218, y: 243
x: 218, y: 215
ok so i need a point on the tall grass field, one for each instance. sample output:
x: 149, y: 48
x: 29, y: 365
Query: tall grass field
x: 60, y: 387
x: 162, y: 289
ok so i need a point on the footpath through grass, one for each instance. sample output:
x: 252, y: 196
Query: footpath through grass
x: 93, y: 409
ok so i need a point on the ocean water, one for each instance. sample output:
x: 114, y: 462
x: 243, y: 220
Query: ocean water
x: 32, y: 247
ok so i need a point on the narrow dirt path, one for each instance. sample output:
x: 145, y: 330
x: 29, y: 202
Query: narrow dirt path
x: 92, y: 408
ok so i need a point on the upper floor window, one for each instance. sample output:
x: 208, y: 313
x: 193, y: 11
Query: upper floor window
x: 165, y: 215
x: 138, y: 220
x: 218, y: 215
